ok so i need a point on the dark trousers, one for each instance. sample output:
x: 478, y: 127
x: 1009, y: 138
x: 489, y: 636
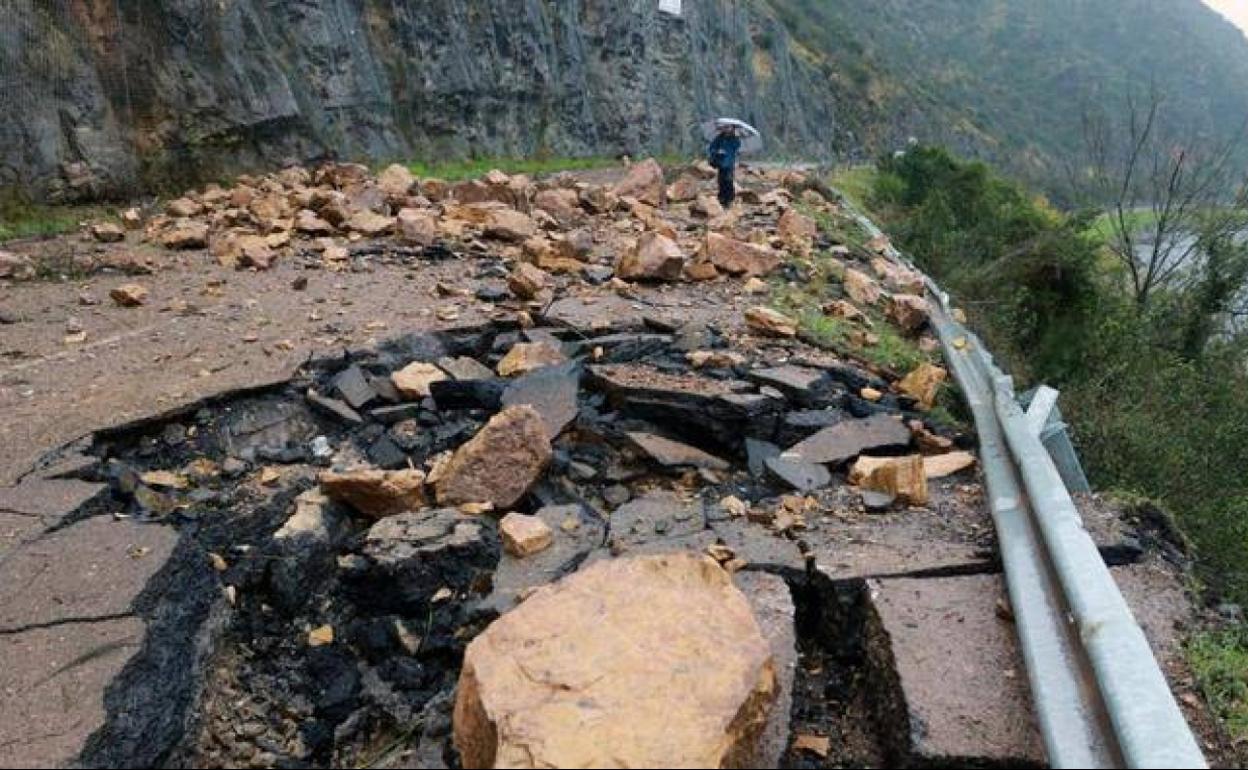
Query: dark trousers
x: 727, y: 186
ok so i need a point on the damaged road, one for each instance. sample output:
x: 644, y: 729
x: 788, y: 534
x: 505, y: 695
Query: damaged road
x: 291, y: 573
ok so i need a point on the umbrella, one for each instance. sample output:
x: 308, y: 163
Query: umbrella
x: 751, y: 139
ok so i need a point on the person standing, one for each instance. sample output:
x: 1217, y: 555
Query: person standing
x: 722, y: 155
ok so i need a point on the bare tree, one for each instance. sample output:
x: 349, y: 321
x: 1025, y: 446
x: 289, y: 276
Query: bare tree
x: 1158, y: 186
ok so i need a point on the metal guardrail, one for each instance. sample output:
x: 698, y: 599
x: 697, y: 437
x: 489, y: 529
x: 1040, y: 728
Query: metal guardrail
x: 1100, y: 697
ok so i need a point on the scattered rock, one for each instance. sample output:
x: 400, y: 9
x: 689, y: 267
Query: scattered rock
x: 183, y: 207
x: 799, y: 474
x: 509, y: 225
x: 416, y: 227
x: 309, y: 223
x: 108, y: 232
x: 132, y: 219
x: 738, y: 257
x: 376, y: 493
x: 129, y: 295
x: 939, y: 466
x: 415, y: 380
x: 902, y: 477
x: 684, y: 189
x: 606, y: 641
x: 848, y: 439
x: 655, y: 258
x: 185, y: 234
x: 673, y: 454
x: 526, y: 281
x: 644, y: 182
x: 396, y: 181
x: 370, y: 224
x: 899, y: 278
x: 770, y: 322
x: 526, y: 357
x: 908, y: 311
x: 16, y: 267
x: 500, y: 463
x: 524, y: 535
x: 796, y: 229
x: 861, y: 289
x: 552, y: 391
x: 923, y: 384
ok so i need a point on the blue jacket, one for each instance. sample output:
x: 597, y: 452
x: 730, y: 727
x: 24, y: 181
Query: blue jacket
x: 723, y: 151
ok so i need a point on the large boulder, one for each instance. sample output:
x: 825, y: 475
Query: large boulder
x: 655, y: 258
x: 646, y: 662
x: 738, y: 257
x: 500, y: 463
x: 644, y: 182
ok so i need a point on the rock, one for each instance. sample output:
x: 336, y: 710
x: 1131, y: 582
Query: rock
x: 376, y: 493
x: 923, y: 384
x: 526, y: 357
x: 396, y: 181
x: 756, y: 286
x: 684, y: 189
x: 240, y: 250
x: 700, y: 270
x: 902, y: 477
x: 575, y: 530
x: 500, y: 463
x: 354, y: 388
x: 414, y: 381
x: 16, y: 267
x: 939, y: 466
x: 370, y: 224
x: 860, y: 288
x: 526, y: 281
x: 561, y: 203
x: 416, y: 227
x: 908, y: 311
x: 654, y: 258
x: 799, y: 474
x: 416, y: 554
x: 715, y: 359
x: 770, y: 322
x: 524, y: 535
x: 556, y: 256
x: 738, y: 257
x: 108, y: 232
x: 129, y: 295
x: 899, y: 278
x: 846, y: 310
x: 334, y: 408
x: 465, y: 368
x: 644, y: 182
x: 552, y: 391
x: 183, y: 207
x: 644, y: 662
x: 673, y: 454
x: 848, y: 439
x: 877, y: 502
x: 509, y: 225
x: 185, y: 234
x: 308, y: 223
x: 799, y: 382
x: 707, y: 207
x: 132, y: 219
x: 313, y: 519
x: 796, y: 229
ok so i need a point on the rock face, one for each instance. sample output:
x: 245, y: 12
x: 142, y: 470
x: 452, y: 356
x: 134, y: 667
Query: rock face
x: 645, y: 662
x: 338, y: 77
x: 500, y: 463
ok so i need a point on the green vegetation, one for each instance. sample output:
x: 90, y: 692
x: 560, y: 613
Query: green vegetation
x: 1154, y: 414
x: 459, y: 170
x: 19, y: 219
x: 1007, y: 80
x: 1220, y: 662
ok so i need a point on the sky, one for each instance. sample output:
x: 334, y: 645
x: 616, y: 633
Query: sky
x: 1235, y: 10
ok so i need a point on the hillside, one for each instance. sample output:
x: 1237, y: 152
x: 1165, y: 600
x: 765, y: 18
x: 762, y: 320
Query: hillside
x: 105, y: 98
x: 1009, y: 80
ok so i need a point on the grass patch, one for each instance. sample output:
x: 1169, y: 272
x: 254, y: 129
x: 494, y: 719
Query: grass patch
x: 24, y: 220
x: 855, y: 183
x: 1220, y: 661
x: 459, y: 170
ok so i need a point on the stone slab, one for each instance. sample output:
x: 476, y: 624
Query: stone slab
x: 772, y: 603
